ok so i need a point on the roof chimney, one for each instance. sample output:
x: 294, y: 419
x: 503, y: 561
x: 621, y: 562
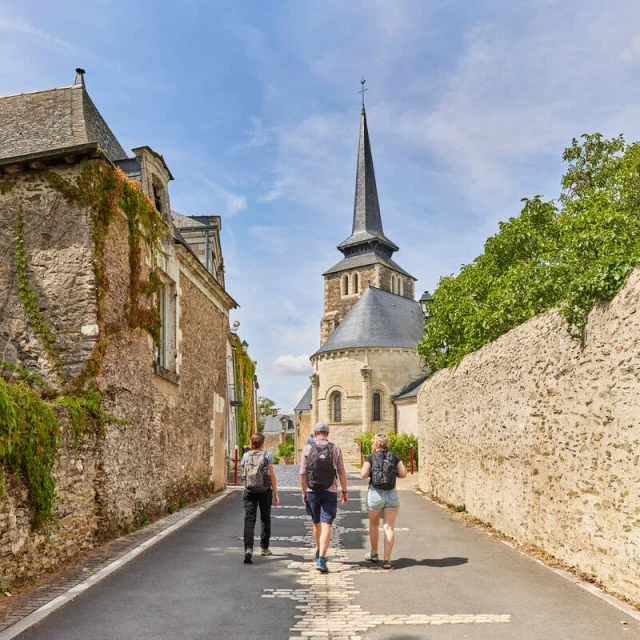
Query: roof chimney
x: 79, y: 77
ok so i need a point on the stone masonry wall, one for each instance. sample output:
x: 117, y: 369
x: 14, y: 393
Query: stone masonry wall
x: 59, y: 250
x: 171, y: 448
x: 24, y: 554
x: 539, y: 437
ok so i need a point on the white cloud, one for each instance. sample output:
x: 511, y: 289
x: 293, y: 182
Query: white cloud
x: 233, y: 202
x: 19, y: 26
x: 292, y: 365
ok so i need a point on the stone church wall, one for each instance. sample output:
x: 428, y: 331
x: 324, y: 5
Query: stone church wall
x: 171, y: 447
x: 391, y: 370
x: 539, y: 436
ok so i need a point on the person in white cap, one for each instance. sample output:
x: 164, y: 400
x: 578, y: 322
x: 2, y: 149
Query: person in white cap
x: 321, y: 463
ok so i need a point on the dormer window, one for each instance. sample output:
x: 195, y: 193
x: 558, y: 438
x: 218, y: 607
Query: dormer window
x: 157, y: 197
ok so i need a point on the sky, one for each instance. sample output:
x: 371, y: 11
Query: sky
x: 255, y: 107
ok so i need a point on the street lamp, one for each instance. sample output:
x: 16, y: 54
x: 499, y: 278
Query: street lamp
x: 425, y: 301
x: 245, y: 344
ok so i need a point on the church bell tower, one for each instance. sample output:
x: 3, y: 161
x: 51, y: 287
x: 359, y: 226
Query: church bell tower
x: 367, y: 251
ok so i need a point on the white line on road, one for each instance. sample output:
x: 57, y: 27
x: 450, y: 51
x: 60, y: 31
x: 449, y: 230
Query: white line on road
x: 40, y: 614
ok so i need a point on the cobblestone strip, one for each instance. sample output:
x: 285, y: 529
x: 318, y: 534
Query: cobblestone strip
x: 14, y: 610
x: 326, y: 601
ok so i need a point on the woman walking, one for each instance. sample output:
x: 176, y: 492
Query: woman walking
x: 260, y: 490
x: 382, y: 468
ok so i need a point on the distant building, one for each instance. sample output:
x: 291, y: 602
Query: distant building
x: 278, y: 428
x: 370, y: 327
x: 302, y: 413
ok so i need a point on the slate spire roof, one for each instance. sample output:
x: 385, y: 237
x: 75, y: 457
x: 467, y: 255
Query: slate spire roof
x: 367, y: 230
x: 378, y: 319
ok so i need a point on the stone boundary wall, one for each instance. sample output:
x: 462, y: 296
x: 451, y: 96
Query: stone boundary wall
x: 77, y: 524
x: 538, y: 435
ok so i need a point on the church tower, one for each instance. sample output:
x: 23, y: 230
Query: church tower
x: 370, y: 328
x: 367, y: 251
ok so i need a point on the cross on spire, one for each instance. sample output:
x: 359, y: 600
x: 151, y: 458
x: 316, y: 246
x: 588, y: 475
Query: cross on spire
x: 363, y: 90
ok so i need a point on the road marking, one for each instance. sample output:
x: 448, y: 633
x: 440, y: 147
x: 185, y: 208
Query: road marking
x: 326, y: 601
x: 40, y: 614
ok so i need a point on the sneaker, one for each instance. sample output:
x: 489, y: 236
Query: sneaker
x: 371, y: 557
x: 266, y: 552
x: 247, y: 556
x: 321, y: 565
x: 317, y: 553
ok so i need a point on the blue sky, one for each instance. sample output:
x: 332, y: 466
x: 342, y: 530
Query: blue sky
x: 255, y: 107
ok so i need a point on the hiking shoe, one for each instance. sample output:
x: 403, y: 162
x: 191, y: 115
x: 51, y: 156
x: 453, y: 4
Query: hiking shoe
x: 321, y: 565
x: 266, y: 552
x: 371, y: 557
x: 317, y: 553
x: 247, y: 556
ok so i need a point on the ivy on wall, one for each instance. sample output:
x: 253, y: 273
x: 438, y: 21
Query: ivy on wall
x: 29, y: 427
x: 245, y: 373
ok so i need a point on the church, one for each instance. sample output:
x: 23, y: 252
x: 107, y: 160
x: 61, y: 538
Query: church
x: 370, y: 327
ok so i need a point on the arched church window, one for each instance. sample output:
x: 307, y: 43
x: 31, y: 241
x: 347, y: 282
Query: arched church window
x: 345, y: 285
x: 401, y: 287
x: 377, y: 406
x: 356, y: 283
x: 336, y: 406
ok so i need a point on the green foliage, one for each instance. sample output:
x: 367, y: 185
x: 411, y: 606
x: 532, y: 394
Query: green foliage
x: 266, y: 407
x: 30, y: 305
x: 570, y: 254
x: 400, y: 444
x: 245, y: 373
x: 29, y: 436
x: 286, y: 449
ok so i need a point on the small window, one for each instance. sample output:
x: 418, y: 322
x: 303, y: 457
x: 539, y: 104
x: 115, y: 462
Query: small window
x: 401, y: 287
x: 345, y: 285
x: 336, y: 406
x: 377, y: 406
x: 356, y: 283
x: 157, y: 197
x: 162, y: 311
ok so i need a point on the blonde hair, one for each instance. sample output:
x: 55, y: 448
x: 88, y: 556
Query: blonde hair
x: 380, y: 440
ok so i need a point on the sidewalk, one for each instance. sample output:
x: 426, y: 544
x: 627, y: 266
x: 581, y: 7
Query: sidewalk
x: 450, y: 582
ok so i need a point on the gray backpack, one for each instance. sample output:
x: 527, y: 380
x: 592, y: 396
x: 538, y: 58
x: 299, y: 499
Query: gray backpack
x: 255, y: 466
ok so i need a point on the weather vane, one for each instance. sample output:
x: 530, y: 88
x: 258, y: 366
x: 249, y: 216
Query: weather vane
x: 363, y: 90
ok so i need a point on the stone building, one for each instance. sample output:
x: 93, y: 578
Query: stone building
x: 102, y: 288
x: 370, y: 327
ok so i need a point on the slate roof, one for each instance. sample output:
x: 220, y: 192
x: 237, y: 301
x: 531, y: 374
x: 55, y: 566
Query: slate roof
x: 366, y: 259
x: 367, y: 222
x: 53, y: 119
x: 273, y: 424
x: 305, y: 401
x: 412, y: 389
x: 378, y: 319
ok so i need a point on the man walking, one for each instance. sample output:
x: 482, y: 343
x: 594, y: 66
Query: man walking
x: 321, y: 463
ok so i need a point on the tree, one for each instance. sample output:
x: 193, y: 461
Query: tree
x: 570, y: 254
x: 266, y: 407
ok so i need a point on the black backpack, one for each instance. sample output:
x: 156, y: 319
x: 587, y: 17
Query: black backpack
x: 321, y: 473
x: 384, y: 470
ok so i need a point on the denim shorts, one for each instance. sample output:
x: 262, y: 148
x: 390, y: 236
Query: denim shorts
x: 379, y: 499
x: 322, y: 506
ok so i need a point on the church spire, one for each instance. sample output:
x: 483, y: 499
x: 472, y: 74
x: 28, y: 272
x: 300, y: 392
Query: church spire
x: 366, y: 233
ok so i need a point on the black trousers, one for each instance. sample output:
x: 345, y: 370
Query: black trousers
x: 251, y: 503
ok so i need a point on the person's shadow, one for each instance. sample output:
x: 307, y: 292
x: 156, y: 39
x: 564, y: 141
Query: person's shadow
x: 403, y: 563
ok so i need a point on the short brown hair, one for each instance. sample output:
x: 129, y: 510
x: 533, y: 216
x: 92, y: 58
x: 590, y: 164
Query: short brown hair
x: 257, y: 439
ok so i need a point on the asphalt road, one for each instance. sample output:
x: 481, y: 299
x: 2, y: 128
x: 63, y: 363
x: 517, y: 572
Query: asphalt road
x: 193, y: 585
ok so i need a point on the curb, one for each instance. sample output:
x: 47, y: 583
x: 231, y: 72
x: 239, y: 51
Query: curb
x: 40, y: 614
